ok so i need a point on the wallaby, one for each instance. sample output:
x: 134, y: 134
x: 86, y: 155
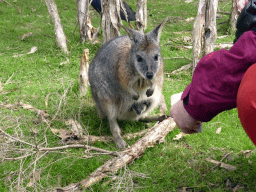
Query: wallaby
x: 126, y: 78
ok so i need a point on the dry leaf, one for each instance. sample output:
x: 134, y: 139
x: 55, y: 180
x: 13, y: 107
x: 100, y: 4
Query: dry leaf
x: 179, y: 136
x: 186, y: 39
x: 224, y: 165
x: 1, y: 88
x: 18, y: 55
x: 33, y: 50
x: 46, y: 100
x: 218, y: 130
x: 76, y: 127
x: 247, y: 153
x: 33, y: 178
x: 238, y: 188
x: 65, y: 62
x: 26, y: 35
x: 190, y: 19
x: 250, y: 162
x: 27, y: 106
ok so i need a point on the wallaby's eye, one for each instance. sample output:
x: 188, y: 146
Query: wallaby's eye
x: 139, y: 58
x: 156, y: 57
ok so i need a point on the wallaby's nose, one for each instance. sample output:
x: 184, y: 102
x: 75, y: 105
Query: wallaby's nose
x: 149, y: 75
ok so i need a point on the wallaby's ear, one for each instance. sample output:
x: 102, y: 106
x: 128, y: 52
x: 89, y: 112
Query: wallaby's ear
x: 134, y: 35
x: 156, y: 33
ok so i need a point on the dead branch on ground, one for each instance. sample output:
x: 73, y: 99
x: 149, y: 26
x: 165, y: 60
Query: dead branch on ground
x: 19, y: 10
x: 155, y: 135
x: 36, y: 148
x: 221, y: 164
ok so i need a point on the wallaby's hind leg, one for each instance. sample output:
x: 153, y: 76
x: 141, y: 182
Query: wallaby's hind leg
x: 111, y: 111
x: 115, y: 130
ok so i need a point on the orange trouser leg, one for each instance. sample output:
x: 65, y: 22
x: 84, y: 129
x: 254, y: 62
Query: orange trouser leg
x: 246, y: 102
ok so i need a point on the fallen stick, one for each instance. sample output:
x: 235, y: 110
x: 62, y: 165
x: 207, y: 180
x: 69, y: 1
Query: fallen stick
x: 155, y: 135
x: 220, y: 164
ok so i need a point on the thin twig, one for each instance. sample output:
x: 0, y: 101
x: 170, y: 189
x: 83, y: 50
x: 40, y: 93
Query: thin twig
x: 18, y: 158
x: 14, y: 138
x: 12, y: 5
x: 7, y: 82
x: 20, y: 174
x: 178, y: 58
x: 63, y: 96
x: 224, y: 12
x: 79, y: 146
x: 37, y: 159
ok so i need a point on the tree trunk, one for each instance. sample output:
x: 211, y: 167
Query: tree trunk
x: 233, y: 17
x: 237, y: 7
x: 204, y: 30
x: 198, y: 33
x: 83, y: 73
x: 141, y: 15
x: 86, y: 29
x: 60, y: 35
x: 210, y: 25
x: 110, y: 19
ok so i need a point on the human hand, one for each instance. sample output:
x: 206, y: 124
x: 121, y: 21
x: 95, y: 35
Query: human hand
x: 184, y: 121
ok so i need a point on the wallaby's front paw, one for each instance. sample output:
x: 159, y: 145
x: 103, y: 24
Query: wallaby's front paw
x: 135, y: 97
x: 149, y: 92
x: 120, y: 143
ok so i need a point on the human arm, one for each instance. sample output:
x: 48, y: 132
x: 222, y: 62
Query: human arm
x: 216, y: 79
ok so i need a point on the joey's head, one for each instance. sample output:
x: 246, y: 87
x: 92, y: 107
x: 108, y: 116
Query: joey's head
x: 145, y: 51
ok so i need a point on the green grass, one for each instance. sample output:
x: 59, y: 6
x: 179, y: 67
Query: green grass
x: 169, y: 166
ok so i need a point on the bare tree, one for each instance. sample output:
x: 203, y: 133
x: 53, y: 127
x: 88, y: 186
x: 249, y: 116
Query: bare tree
x: 237, y: 7
x: 210, y: 25
x: 110, y: 19
x: 60, y: 35
x: 86, y: 29
x: 141, y: 15
x: 204, y: 31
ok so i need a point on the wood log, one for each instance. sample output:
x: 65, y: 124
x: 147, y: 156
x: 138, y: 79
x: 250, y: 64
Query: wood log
x: 141, y: 15
x: 83, y: 73
x: 60, y: 35
x: 155, y: 135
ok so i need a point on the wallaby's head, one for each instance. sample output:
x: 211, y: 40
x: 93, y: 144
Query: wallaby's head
x: 145, y: 51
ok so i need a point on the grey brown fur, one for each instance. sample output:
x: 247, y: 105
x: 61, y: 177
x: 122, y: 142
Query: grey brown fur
x: 126, y: 78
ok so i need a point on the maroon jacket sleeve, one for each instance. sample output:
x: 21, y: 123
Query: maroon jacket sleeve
x: 216, y: 79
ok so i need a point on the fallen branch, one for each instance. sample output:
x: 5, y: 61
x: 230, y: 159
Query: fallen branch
x: 37, y: 148
x: 62, y: 98
x: 179, y: 58
x: 220, y: 164
x: 221, y: 45
x: 19, y: 10
x: 183, y: 68
x: 91, y: 148
x: 76, y: 127
x: 155, y: 135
